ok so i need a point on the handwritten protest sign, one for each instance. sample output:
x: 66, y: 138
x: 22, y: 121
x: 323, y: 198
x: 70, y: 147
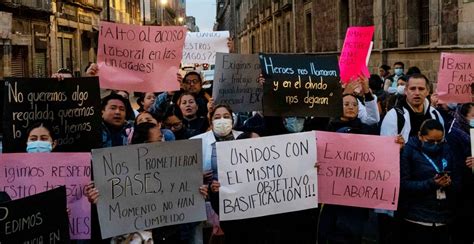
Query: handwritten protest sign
x: 264, y: 176
x: 71, y: 107
x: 301, y: 85
x: 201, y: 47
x: 354, y: 170
x: 139, y: 58
x: 148, y: 185
x: 352, y: 61
x: 455, y: 77
x: 26, y: 174
x: 236, y: 83
x: 41, y: 218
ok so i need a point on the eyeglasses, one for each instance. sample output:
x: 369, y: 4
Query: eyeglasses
x: 350, y: 104
x: 192, y: 82
x: 176, y: 125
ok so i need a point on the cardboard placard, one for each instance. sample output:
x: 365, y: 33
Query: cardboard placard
x: 71, y: 107
x: 455, y: 78
x: 201, y: 47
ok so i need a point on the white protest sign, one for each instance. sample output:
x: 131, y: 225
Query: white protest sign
x: 201, y: 47
x: 268, y: 175
x: 150, y: 185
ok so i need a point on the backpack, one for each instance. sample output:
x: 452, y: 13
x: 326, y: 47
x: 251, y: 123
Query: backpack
x: 401, y: 118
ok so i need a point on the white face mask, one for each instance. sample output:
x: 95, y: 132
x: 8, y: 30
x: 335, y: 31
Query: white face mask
x: 401, y: 90
x: 222, y: 127
x: 398, y: 71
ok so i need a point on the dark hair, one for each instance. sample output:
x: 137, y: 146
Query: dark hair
x: 403, y: 78
x: 185, y: 94
x: 352, y: 95
x: 106, y: 100
x: 464, y: 108
x: 245, y: 135
x: 64, y: 71
x: 193, y: 73
x: 141, y: 98
x: 155, y: 116
x: 221, y: 106
x: 172, y: 110
x: 375, y: 83
x: 413, y: 70
x: 420, y: 76
x: 399, y: 63
x: 141, y: 132
x: 385, y: 67
x: 429, y: 125
x: 44, y: 124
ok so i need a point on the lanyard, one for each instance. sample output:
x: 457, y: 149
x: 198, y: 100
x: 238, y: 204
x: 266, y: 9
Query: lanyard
x: 443, y: 161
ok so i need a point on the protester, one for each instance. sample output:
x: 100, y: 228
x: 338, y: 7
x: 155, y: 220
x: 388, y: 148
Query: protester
x: 114, y: 125
x: 40, y: 138
x: 343, y: 224
x: 147, y: 117
x: 360, y: 89
x: 130, y: 116
x: 173, y: 120
x: 406, y: 118
x: 428, y: 181
x: 459, y: 141
x: 390, y: 83
x: 187, y: 104
x: 384, y: 72
x: 145, y: 102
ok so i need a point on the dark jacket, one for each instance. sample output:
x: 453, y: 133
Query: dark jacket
x: 418, y: 201
x: 354, y: 126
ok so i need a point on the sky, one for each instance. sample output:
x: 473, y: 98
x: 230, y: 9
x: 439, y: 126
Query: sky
x: 204, y: 11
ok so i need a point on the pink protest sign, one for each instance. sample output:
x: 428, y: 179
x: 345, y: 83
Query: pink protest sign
x: 358, y: 170
x: 140, y: 58
x: 455, y: 77
x: 352, y: 61
x: 26, y: 174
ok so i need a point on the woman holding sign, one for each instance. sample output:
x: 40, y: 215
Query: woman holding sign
x: 344, y: 224
x: 427, y: 186
x: 40, y: 138
x: 459, y: 140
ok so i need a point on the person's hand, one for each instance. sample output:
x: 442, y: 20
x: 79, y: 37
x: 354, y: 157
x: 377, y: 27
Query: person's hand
x: 470, y: 162
x: 207, y: 176
x: 364, y: 82
x: 93, y: 70
x: 204, y: 191
x: 351, y: 87
x: 215, y: 185
x: 230, y: 44
x: 443, y: 180
x: 179, y: 77
x: 61, y: 76
x: 210, y: 105
x: 400, y: 140
x: 261, y: 79
x: 68, y: 211
x: 92, y: 193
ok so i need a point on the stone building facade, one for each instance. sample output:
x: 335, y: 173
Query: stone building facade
x: 412, y: 31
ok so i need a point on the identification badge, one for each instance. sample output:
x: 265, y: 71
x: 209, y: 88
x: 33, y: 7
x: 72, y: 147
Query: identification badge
x: 440, y: 194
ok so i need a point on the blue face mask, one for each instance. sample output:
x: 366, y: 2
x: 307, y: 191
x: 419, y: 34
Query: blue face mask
x: 398, y: 72
x: 39, y: 146
x: 294, y: 124
x: 471, y: 123
x: 431, y: 148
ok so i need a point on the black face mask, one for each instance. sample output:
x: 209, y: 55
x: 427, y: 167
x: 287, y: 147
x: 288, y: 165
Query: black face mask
x: 431, y: 148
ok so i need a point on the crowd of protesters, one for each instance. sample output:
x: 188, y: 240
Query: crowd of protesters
x: 436, y: 203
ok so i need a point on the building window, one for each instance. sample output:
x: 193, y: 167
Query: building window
x: 425, y: 22
x: 309, y: 33
x: 343, y: 20
x: 279, y: 36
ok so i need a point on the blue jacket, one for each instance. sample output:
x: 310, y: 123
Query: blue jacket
x: 107, y: 135
x: 418, y: 201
